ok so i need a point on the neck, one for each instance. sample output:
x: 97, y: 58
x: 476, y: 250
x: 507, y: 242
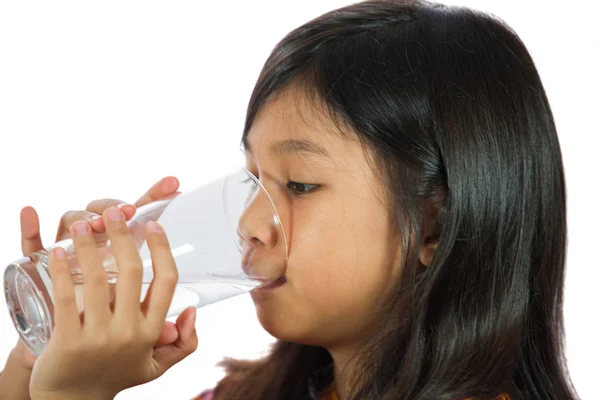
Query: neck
x: 347, y: 363
x: 344, y: 369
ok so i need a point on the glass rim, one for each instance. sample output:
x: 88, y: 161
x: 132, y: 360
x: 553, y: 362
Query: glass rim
x: 277, y: 218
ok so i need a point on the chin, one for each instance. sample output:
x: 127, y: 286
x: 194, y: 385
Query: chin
x: 276, y: 325
x: 286, y: 328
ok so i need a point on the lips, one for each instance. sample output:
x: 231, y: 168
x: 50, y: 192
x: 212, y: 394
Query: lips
x: 250, y: 266
x: 272, y: 285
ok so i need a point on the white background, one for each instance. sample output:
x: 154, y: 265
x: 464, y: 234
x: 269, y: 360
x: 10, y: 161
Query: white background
x: 101, y: 99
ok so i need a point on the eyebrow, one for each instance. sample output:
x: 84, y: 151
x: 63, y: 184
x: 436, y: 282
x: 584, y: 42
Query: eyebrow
x: 288, y: 146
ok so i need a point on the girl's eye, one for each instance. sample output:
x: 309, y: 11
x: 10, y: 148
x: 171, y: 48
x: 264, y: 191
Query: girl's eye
x: 301, y: 188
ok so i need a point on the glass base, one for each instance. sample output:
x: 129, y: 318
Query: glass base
x: 27, y: 299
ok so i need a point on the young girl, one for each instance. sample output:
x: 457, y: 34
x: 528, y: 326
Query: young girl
x: 413, y: 148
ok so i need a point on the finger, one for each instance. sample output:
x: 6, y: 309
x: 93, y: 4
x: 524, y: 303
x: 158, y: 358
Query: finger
x: 168, y: 334
x: 66, y: 315
x: 186, y: 343
x: 96, y: 308
x: 70, y: 217
x: 129, y: 283
x: 159, y: 191
x: 31, y: 240
x: 160, y: 293
x: 98, y: 206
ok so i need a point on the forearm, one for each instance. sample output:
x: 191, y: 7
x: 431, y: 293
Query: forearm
x: 14, y: 380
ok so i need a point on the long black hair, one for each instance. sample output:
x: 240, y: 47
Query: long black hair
x: 449, y: 102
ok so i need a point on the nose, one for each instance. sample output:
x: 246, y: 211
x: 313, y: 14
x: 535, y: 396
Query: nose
x: 258, y: 226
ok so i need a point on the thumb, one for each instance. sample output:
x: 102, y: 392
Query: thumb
x: 186, y: 343
x: 168, y: 334
x: 25, y: 357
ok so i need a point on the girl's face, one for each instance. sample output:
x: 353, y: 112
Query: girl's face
x: 343, y: 254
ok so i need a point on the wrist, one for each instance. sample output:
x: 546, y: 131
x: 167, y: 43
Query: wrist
x: 73, y: 393
x: 14, y: 379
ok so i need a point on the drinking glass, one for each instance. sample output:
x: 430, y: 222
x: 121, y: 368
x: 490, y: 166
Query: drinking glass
x: 210, y: 231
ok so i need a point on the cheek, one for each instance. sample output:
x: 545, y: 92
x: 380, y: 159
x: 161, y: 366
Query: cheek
x: 341, y: 261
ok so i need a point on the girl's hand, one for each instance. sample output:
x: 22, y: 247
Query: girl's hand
x: 109, y: 348
x: 31, y: 241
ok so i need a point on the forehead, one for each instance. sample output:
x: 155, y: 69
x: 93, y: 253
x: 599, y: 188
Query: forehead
x: 291, y: 124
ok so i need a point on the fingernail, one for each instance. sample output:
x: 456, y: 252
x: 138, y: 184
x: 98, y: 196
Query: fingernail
x: 114, y: 214
x: 153, y: 227
x: 59, y: 253
x: 96, y: 217
x: 169, y: 184
x: 121, y: 205
x: 79, y: 228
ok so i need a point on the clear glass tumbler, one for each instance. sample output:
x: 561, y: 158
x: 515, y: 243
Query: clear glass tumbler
x: 204, y: 227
